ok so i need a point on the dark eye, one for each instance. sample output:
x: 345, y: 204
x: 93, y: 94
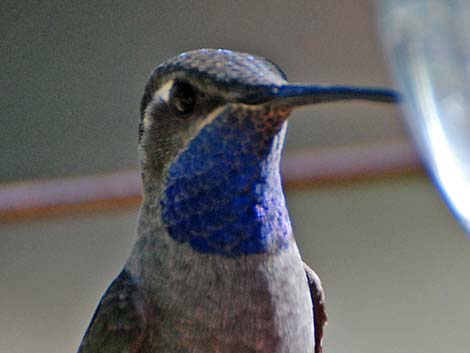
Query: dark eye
x: 182, y: 98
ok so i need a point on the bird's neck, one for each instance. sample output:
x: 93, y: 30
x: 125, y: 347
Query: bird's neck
x: 223, y: 193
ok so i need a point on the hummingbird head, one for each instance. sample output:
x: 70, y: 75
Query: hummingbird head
x: 188, y: 92
x: 210, y: 139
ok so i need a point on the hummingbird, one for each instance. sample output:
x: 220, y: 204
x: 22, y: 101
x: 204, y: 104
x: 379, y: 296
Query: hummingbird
x: 215, y: 267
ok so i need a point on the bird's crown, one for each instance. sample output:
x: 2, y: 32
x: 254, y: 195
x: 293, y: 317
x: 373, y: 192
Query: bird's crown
x: 220, y: 66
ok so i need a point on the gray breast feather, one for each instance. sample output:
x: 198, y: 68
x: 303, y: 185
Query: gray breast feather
x: 206, y: 303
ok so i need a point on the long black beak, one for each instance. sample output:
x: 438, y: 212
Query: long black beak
x: 294, y: 95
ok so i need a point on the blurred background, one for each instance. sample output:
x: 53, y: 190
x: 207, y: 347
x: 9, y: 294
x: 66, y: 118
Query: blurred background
x: 393, y: 260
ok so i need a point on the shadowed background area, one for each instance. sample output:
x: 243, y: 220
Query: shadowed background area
x: 73, y: 73
x: 393, y: 261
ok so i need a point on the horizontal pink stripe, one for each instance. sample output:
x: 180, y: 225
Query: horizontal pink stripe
x: 343, y: 162
x: 296, y: 167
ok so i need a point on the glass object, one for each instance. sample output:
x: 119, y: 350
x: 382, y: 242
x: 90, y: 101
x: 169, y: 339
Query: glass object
x: 428, y: 46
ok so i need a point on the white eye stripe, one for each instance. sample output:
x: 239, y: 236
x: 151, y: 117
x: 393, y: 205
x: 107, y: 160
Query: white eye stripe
x: 162, y: 94
x: 164, y: 91
x: 210, y: 117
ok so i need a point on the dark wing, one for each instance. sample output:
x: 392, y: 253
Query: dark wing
x: 118, y: 325
x: 319, y: 312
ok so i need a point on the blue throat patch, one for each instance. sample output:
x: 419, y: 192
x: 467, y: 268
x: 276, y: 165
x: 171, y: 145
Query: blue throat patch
x: 223, y: 193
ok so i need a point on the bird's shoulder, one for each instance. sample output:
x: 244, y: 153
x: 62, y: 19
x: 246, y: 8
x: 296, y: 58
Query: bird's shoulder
x: 318, y: 300
x: 118, y: 325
